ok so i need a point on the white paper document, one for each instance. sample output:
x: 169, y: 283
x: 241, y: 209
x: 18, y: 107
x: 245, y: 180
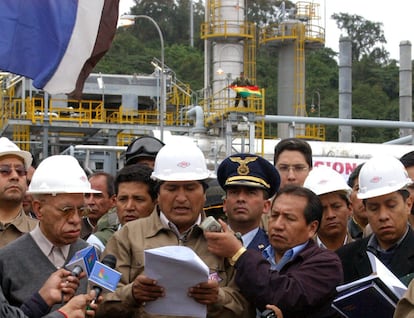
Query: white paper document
x: 176, y: 268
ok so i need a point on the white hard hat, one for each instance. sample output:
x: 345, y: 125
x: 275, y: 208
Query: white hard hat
x: 180, y: 162
x: 7, y: 147
x: 60, y: 174
x: 323, y: 180
x: 382, y: 175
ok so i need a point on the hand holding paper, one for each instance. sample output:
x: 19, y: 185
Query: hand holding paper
x: 178, y: 269
x: 146, y: 289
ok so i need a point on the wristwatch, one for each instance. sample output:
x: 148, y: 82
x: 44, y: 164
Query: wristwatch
x: 236, y: 256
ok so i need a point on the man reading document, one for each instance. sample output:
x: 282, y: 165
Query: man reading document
x: 181, y: 172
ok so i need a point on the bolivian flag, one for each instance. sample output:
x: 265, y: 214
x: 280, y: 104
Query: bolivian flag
x: 246, y: 91
x: 56, y: 43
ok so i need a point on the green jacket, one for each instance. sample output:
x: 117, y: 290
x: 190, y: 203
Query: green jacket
x: 107, y: 225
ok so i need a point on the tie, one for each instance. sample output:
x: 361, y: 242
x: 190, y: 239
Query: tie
x: 56, y: 257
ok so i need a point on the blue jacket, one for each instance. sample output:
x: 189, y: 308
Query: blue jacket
x: 260, y: 241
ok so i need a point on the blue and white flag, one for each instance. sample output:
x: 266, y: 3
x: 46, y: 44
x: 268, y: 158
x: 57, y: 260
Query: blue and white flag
x: 55, y: 42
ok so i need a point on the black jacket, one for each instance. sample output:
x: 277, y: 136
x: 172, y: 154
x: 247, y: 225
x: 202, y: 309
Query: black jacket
x: 355, y: 262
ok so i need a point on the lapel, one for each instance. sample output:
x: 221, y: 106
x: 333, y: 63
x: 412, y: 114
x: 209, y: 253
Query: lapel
x: 260, y: 241
x: 361, y: 261
x: 403, y: 260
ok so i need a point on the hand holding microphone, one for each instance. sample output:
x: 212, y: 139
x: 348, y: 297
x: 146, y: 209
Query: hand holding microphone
x: 103, y: 277
x: 60, y: 286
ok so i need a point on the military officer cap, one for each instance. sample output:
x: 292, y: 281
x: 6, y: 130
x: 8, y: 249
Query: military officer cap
x: 248, y: 170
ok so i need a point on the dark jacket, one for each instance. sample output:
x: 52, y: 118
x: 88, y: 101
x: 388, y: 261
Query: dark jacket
x: 260, y: 241
x: 355, y: 261
x: 304, y: 288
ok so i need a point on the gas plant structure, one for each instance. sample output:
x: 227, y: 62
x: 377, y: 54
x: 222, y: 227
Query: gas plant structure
x: 117, y: 108
x: 230, y: 48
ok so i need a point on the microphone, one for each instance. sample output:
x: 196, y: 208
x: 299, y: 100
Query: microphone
x: 103, y: 277
x: 76, y: 271
x: 82, y: 261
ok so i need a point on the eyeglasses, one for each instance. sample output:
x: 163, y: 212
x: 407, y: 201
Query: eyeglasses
x: 6, y: 170
x: 71, y: 210
x: 295, y: 168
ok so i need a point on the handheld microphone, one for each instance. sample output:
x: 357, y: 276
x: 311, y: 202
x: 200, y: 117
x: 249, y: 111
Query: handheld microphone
x: 82, y: 261
x: 103, y: 277
x: 76, y: 271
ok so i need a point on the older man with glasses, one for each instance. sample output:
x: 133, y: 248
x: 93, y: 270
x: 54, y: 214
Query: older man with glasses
x: 58, y: 186
x: 13, y: 169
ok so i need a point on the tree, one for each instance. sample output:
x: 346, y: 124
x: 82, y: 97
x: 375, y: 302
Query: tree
x: 375, y: 90
x: 364, y: 34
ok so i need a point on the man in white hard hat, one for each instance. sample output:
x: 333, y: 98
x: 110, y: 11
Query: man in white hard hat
x: 334, y: 193
x: 181, y: 172
x: 383, y: 182
x: 14, y: 164
x: 57, y: 186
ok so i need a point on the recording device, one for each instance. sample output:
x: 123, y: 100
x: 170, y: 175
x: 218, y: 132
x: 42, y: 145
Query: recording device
x: 210, y: 224
x: 103, y: 277
x: 82, y: 261
x: 268, y: 313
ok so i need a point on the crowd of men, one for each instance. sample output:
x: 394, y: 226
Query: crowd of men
x: 290, y: 233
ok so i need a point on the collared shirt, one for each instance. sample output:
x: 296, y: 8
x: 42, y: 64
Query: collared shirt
x: 249, y: 236
x: 269, y: 254
x: 15, y: 228
x: 321, y: 245
x: 384, y: 256
x: 45, y: 245
x: 169, y: 225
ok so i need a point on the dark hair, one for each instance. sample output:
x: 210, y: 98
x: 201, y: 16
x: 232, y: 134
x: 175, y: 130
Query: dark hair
x: 343, y: 195
x: 313, y: 209
x: 109, y: 181
x: 403, y: 192
x: 293, y: 144
x: 137, y: 173
x: 34, y: 161
x: 408, y: 159
x: 354, y: 175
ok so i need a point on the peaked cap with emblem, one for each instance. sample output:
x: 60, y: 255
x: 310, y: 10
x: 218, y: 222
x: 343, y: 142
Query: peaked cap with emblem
x: 248, y: 170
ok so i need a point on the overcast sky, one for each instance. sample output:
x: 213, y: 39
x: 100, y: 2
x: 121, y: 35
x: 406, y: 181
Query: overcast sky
x: 396, y: 16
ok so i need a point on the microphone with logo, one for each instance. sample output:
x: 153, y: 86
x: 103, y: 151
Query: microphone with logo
x: 82, y: 261
x: 103, y: 277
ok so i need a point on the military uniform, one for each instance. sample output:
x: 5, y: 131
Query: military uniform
x: 252, y: 171
x: 107, y: 225
x: 241, y: 81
